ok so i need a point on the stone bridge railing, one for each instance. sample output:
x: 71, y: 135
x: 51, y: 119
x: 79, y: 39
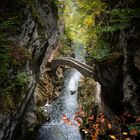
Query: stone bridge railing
x: 83, y: 68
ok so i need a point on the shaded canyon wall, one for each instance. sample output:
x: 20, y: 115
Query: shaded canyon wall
x: 39, y: 35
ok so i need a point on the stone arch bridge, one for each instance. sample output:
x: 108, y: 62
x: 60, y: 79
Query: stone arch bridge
x: 83, y: 68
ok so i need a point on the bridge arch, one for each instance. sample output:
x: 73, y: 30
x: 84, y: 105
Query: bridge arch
x: 83, y: 68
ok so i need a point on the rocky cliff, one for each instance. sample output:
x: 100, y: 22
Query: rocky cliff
x: 38, y: 34
x: 119, y: 74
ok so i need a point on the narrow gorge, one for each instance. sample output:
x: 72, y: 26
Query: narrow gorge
x: 69, y: 70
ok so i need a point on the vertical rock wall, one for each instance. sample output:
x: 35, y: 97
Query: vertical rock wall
x: 40, y: 36
x: 120, y: 75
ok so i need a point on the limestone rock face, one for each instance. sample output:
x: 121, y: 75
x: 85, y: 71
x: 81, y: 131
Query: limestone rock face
x: 40, y: 36
x: 131, y: 70
x: 120, y: 78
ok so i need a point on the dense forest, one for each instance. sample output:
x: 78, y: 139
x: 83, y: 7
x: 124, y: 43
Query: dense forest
x: 70, y: 70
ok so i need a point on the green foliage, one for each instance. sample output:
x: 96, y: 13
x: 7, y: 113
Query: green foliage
x: 101, y: 51
x: 124, y: 14
x: 79, y: 17
x: 88, y: 20
x: 21, y: 78
x: 4, y: 58
x: 13, y: 79
x: 66, y: 45
x: 86, y: 94
x: 117, y: 19
x: 110, y: 28
x: 77, y: 21
x: 11, y: 19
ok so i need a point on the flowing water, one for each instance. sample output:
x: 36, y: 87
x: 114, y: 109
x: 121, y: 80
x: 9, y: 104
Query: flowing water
x: 62, y: 125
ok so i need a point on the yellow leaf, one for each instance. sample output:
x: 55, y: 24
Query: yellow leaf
x: 88, y: 21
x: 125, y: 133
x: 85, y: 131
x: 109, y: 126
x: 112, y: 137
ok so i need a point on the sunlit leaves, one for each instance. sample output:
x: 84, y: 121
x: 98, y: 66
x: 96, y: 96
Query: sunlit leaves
x: 88, y: 21
x: 91, y: 6
x: 79, y: 17
x: 125, y: 133
x: 101, y: 126
x: 112, y: 137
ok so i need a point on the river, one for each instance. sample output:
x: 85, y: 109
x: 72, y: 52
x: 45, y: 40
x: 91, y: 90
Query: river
x: 62, y: 125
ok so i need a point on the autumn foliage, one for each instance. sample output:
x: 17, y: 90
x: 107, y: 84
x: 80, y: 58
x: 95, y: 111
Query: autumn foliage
x: 103, y: 128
